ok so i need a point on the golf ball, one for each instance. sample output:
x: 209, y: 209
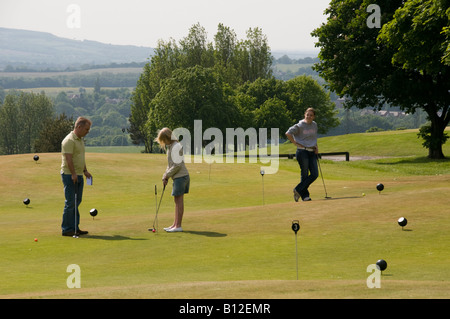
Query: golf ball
x: 153, y: 230
x: 35, y: 239
x: 364, y: 194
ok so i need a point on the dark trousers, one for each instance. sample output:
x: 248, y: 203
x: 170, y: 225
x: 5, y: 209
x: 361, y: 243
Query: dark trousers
x: 308, y: 171
x: 68, y: 219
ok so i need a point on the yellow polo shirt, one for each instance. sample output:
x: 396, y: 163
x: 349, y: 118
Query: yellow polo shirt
x: 74, y: 145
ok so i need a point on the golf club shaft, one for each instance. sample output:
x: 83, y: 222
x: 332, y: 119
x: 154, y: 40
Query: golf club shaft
x: 156, y: 203
x: 321, y: 175
x: 75, y: 208
x: 157, y: 209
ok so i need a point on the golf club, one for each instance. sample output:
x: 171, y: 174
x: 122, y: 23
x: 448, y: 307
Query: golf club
x: 262, y: 176
x: 75, y: 235
x: 156, y: 210
x: 321, y: 175
x: 153, y: 229
x: 156, y: 201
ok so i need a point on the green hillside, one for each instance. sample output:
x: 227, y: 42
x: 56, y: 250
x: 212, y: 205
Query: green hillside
x: 44, y: 50
x: 387, y: 143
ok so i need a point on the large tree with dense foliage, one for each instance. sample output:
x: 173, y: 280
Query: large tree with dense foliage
x: 234, y: 61
x: 22, y: 116
x: 404, y: 62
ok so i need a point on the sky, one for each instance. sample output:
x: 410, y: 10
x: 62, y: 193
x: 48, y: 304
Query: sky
x: 286, y: 23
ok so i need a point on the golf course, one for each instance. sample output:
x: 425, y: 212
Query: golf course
x: 237, y: 240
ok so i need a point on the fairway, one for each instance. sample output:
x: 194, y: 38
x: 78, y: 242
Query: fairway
x: 233, y: 245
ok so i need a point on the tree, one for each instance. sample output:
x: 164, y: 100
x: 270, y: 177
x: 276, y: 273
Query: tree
x: 52, y: 134
x: 305, y: 92
x: 273, y: 113
x: 417, y: 34
x: 296, y: 94
x: 233, y: 61
x: 22, y: 117
x: 164, y: 61
x: 254, y: 59
x: 195, y: 48
x: 195, y: 93
x: 9, y: 134
x: 372, y: 66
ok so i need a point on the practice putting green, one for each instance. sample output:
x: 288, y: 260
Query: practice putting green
x: 232, y: 246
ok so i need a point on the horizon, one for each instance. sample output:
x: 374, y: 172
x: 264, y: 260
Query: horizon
x: 286, y: 23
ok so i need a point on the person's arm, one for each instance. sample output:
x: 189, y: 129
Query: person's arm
x: 69, y: 161
x: 86, y: 173
x: 291, y: 138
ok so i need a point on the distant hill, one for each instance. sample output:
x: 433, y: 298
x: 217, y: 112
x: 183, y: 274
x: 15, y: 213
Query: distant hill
x: 41, y: 50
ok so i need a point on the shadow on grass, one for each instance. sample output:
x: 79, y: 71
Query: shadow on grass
x: 205, y: 233
x: 113, y: 237
x: 334, y: 198
x: 413, y: 160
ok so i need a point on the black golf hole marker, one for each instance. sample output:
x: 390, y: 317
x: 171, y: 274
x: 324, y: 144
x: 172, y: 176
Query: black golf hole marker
x: 26, y: 201
x: 380, y: 187
x: 402, y: 221
x: 382, y: 265
x: 93, y: 212
x: 295, y: 226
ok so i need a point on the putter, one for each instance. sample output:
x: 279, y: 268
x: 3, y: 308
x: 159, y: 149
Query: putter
x: 75, y: 235
x: 321, y: 175
x: 155, y: 221
x: 156, y: 200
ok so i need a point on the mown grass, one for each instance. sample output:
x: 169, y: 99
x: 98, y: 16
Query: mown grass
x: 233, y: 246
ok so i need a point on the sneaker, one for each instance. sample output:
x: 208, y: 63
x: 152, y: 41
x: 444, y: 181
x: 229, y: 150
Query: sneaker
x: 167, y: 228
x: 306, y: 199
x: 296, y: 195
x: 174, y: 229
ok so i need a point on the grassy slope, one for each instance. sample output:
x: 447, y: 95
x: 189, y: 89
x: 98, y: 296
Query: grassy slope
x: 387, y: 143
x: 233, y: 246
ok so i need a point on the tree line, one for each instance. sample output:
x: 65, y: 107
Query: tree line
x: 107, y: 79
x: 31, y: 122
x: 225, y: 83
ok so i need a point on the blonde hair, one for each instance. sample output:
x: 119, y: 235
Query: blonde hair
x: 165, y: 137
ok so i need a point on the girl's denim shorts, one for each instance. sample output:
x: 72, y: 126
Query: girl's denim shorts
x: 180, y: 185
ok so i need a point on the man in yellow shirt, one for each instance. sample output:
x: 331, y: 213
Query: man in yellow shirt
x: 72, y: 169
